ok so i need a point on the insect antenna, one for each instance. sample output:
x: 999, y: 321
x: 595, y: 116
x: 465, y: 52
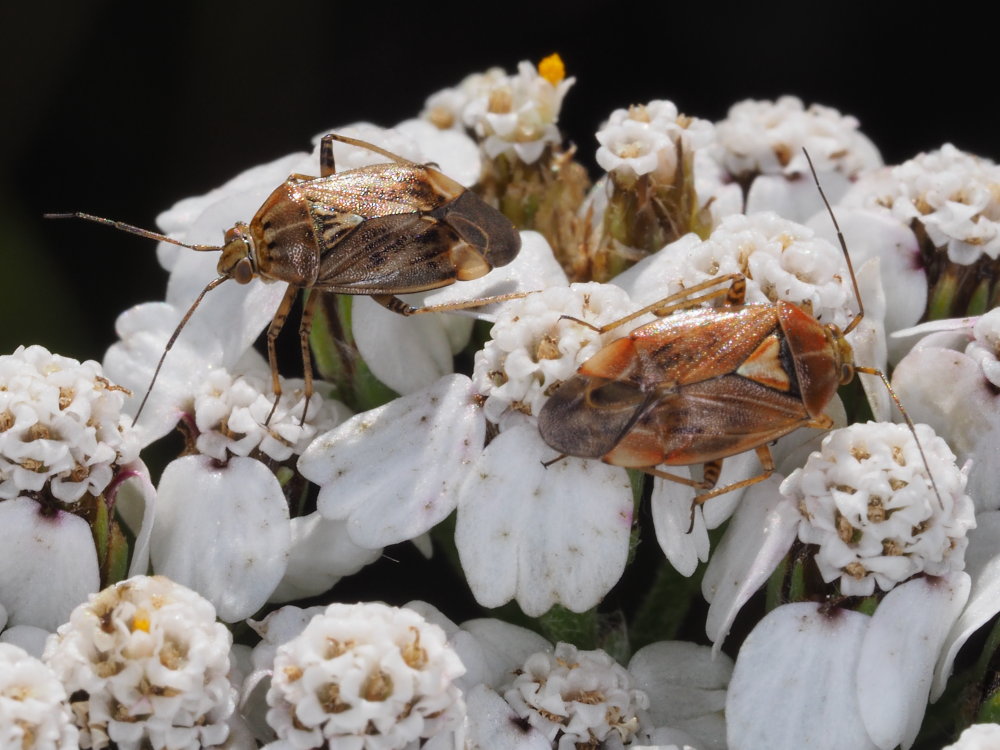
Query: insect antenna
x: 122, y: 226
x: 854, y: 324
x: 173, y: 337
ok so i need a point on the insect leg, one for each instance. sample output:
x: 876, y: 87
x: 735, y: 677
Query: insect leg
x: 305, y: 326
x: 682, y: 300
x: 272, y: 336
x: 365, y: 145
x: 766, y: 461
x: 327, y: 166
x: 396, y: 305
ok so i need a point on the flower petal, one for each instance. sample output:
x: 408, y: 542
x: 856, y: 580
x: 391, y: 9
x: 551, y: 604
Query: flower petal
x: 36, y: 546
x: 794, y: 682
x: 542, y: 535
x: 321, y: 554
x: 983, y: 566
x: 898, y: 654
x: 222, y: 531
x: 493, y: 723
x: 394, y: 472
x: 761, y: 531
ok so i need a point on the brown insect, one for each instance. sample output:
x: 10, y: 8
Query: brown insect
x: 703, y: 383
x: 380, y: 230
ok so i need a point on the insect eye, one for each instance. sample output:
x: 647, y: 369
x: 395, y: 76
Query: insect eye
x: 846, y: 373
x: 243, y: 272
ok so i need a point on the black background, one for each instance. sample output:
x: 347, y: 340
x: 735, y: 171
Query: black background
x: 121, y: 108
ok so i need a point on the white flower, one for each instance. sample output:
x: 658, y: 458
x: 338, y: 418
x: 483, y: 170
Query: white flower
x: 444, y: 108
x: 149, y: 662
x: 532, y: 348
x: 518, y: 114
x: 61, y: 427
x: 34, y: 714
x: 577, y: 698
x: 764, y: 141
x: 977, y: 737
x: 954, y: 195
x: 767, y: 137
x: 230, y: 413
x: 780, y: 259
x: 364, y: 676
x: 837, y: 678
x: 869, y: 507
x: 949, y: 379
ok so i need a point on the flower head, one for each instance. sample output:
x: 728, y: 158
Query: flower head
x: 34, y: 714
x: 149, y: 662
x: 868, y: 504
x: 365, y: 676
x: 61, y: 426
x: 578, y: 698
x: 518, y: 113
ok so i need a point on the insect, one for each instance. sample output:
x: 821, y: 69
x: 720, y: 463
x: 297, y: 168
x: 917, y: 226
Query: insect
x: 380, y: 230
x: 702, y: 384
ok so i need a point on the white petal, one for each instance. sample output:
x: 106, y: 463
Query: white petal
x: 796, y: 200
x: 671, y: 504
x: 686, y: 686
x: 406, y: 354
x: 534, y: 268
x: 144, y: 331
x: 394, y: 472
x: 868, y: 339
x: 493, y: 725
x: 135, y: 499
x: 222, y: 531
x: 759, y: 535
x: 321, y: 554
x: 501, y: 648
x: 48, y: 564
x: 794, y: 683
x: 644, y: 281
x: 32, y: 639
x: 542, y: 535
x: 453, y: 151
x: 982, y: 563
x: 898, y: 654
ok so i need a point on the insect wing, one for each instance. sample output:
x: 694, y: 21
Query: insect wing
x: 378, y: 190
x: 587, y: 417
x: 688, y: 347
x: 398, y: 254
x: 707, y: 420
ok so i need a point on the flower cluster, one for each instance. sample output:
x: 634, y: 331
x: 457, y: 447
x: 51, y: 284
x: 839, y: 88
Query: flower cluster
x: 653, y: 363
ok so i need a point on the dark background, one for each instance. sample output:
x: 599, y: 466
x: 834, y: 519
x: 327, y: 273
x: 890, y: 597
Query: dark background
x: 121, y: 108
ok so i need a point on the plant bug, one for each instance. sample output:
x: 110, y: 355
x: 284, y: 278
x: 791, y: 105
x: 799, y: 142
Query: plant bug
x: 702, y: 384
x: 380, y: 230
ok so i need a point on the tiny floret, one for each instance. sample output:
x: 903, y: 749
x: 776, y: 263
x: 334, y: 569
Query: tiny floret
x: 868, y: 504
x: 954, y: 195
x: 230, y: 412
x: 578, y: 698
x: 62, y: 431
x: 767, y: 137
x: 534, y: 348
x: 146, y: 665
x: 34, y: 714
x: 518, y: 114
x: 365, y: 676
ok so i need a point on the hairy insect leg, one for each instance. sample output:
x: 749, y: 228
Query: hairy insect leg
x: 396, y: 305
x: 277, y: 323
x: 682, y: 300
x: 305, y: 326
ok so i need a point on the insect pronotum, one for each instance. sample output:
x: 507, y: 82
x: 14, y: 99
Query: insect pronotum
x: 702, y: 384
x: 380, y: 230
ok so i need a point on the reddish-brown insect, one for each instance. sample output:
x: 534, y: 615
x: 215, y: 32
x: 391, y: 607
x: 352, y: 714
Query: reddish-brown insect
x: 379, y: 231
x: 703, y: 384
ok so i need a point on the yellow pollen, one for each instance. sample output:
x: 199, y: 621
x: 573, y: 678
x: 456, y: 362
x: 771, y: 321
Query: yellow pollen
x: 140, y: 621
x: 552, y: 69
